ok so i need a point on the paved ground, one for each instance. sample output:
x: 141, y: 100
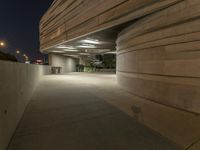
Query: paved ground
x: 66, y: 113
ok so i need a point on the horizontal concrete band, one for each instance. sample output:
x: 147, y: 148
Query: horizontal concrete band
x: 17, y: 84
x: 70, y: 19
x: 158, y: 57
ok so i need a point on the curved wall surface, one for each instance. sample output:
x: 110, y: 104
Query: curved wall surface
x: 159, y: 57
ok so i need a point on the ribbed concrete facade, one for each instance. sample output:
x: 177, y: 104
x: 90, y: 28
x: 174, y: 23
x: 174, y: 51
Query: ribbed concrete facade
x: 69, y: 19
x: 159, y: 59
x: 158, y: 54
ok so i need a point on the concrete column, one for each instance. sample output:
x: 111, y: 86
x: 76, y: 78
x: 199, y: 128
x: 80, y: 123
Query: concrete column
x: 68, y: 64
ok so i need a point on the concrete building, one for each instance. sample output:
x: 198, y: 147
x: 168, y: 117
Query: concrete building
x: 157, y: 45
x: 152, y: 102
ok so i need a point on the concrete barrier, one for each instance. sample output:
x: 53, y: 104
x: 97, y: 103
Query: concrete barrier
x: 17, y: 83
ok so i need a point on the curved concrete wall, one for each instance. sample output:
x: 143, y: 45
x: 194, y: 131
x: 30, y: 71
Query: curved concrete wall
x: 69, y: 19
x: 159, y: 57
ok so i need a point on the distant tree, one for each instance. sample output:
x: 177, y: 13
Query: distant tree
x: 8, y: 57
x: 109, y: 61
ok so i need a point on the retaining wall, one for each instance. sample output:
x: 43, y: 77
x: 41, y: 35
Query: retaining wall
x: 17, y: 83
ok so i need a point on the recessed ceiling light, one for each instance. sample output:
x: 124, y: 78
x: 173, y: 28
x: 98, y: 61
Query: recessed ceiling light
x: 63, y: 47
x: 111, y: 52
x: 86, y: 46
x: 57, y: 51
x: 70, y: 50
x: 90, y: 41
x: 84, y: 54
x: 71, y: 55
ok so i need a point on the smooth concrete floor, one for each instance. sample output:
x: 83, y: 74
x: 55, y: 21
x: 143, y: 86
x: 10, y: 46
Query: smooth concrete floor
x: 66, y: 113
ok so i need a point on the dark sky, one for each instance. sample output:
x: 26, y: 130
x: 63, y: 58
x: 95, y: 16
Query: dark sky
x: 19, y: 25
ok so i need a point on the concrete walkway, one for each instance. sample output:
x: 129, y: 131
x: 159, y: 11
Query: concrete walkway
x: 68, y: 113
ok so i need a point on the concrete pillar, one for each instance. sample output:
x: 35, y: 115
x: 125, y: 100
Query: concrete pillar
x: 68, y: 64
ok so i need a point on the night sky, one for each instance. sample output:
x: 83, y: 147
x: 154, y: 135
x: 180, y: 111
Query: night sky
x: 19, y: 25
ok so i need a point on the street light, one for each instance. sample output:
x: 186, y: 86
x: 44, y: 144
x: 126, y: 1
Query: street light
x: 17, y: 51
x: 25, y: 56
x: 2, y: 44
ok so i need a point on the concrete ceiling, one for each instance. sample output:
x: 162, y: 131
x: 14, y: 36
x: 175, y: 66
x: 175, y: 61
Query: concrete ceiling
x: 97, y: 43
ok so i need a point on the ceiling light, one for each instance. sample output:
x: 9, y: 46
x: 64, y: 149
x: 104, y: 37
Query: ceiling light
x: 57, y: 51
x: 70, y: 50
x: 111, y: 52
x: 90, y: 41
x: 84, y: 54
x: 87, y: 46
x: 63, y: 47
x: 71, y: 55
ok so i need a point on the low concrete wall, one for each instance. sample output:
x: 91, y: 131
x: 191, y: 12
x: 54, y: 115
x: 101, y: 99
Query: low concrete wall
x: 17, y: 83
x: 68, y: 64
